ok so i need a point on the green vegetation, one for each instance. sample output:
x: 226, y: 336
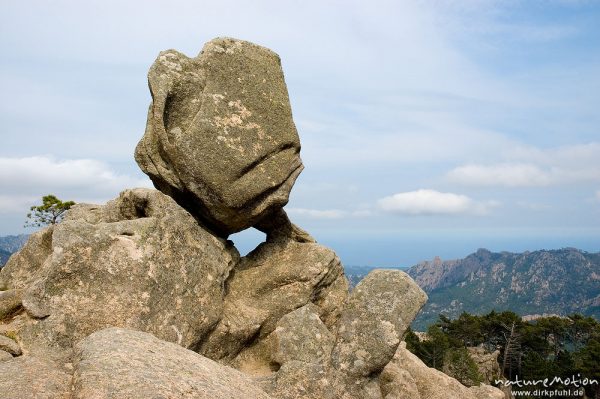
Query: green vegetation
x: 547, y: 347
x: 50, y: 212
x: 460, y: 365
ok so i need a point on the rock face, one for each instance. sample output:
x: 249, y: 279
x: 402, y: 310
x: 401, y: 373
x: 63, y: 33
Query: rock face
x: 378, y: 313
x: 220, y: 138
x: 139, y: 262
x: 33, y: 377
x: 139, y: 298
x: 9, y: 346
x: 372, y: 324
x: 120, y: 363
x: 273, y: 280
x: 303, y: 346
x: 406, y: 376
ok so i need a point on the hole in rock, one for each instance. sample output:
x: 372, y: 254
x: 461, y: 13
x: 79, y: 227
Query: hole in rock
x: 245, y: 241
x: 141, y: 209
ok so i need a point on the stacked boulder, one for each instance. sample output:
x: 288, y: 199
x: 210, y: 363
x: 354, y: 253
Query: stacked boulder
x: 146, y: 297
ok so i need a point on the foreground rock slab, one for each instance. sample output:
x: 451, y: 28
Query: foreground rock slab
x: 120, y: 363
x: 32, y: 377
x: 220, y: 138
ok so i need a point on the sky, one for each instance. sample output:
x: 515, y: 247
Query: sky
x: 428, y: 128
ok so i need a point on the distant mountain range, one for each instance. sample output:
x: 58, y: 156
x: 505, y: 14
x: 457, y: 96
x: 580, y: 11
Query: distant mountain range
x: 543, y: 282
x: 10, y: 245
x: 559, y: 282
x: 4, y: 255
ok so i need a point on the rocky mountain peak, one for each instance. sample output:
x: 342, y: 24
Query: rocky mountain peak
x: 532, y: 282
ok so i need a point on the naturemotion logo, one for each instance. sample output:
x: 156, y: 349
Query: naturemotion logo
x: 564, y: 387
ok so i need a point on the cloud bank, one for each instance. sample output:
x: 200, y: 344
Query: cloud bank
x: 25, y: 180
x: 431, y: 202
x: 534, y: 167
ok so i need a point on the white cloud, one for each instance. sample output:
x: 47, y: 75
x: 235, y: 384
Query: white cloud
x: 26, y: 180
x: 316, y: 213
x: 328, y: 213
x: 509, y: 175
x: 15, y: 203
x: 534, y: 167
x: 431, y: 202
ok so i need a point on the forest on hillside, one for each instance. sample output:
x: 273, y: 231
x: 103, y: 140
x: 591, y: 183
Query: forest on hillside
x: 566, y: 348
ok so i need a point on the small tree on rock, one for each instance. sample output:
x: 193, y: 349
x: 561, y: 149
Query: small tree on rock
x: 49, y: 213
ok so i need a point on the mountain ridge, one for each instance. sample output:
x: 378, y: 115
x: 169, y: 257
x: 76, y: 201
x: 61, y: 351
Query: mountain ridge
x: 558, y: 281
x: 9, y: 245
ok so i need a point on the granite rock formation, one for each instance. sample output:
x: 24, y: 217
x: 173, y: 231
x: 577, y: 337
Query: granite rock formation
x: 139, y: 262
x: 121, y: 363
x: 220, y: 138
x: 144, y: 296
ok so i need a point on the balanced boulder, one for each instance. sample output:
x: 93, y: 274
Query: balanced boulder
x: 220, y: 138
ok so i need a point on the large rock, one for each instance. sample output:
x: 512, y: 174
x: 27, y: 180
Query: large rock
x: 379, y: 311
x: 32, y: 377
x: 294, y: 360
x: 301, y: 336
x: 273, y: 280
x: 302, y: 349
x: 406, y: 376
x: 220, y: 138
x: 121, y: 363
x: 140, y: 262
x: 24, y: 266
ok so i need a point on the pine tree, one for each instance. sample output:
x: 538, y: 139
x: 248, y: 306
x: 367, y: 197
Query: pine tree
x: 49, y: 213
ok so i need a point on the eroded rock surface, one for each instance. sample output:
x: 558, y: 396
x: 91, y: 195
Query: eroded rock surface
x: 273, y: 280
x: 140, y: 262
x: 29, y: 377
x: 10, y: 303
x: 24, y: 266
x: 372, y: 324
x: 220, y: 138
x: 378, y: 313
x: 121, y: 363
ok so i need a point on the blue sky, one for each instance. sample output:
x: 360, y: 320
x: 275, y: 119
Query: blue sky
x: 428, y: 128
